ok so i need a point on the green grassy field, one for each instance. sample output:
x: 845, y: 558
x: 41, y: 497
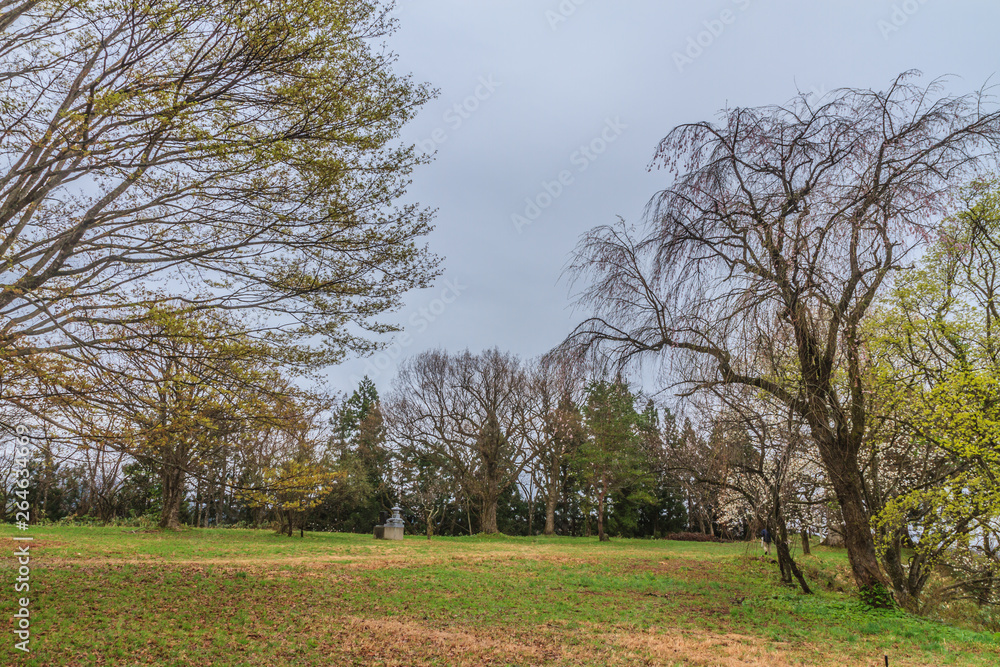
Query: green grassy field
x: 111, y: 596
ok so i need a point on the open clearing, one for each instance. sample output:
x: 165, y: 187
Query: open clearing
x: 112, y: 596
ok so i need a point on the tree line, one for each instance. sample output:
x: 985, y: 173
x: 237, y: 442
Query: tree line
x: 524, y: 449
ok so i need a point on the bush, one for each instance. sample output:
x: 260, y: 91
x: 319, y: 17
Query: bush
x: 877, y: 596
x: 693, y: 537
x: 73, y: 520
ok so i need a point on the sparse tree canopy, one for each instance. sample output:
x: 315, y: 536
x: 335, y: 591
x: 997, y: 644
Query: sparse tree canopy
x: 213, y: 153
x: 174, y: 398
x: 760, y: 262
x: 470, y: 411
x: 554, y: 425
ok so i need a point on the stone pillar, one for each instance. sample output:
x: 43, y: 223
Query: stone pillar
x: 394, y: 526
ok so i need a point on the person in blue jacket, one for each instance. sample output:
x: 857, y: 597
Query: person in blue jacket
x: 765, y: 541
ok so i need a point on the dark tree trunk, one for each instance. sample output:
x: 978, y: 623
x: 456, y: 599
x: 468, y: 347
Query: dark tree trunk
x: 172, y: 479
x: 845, y: 476
x: 907, y: 583
x: 804, y: 534
x: 788, y: 566
x: 488, y: 520
x: 834, y: 536
x: 197, y: 505
x: 601, y: 495
x: 531, y: 515
x: 892, y: 561
x: 785, y: 561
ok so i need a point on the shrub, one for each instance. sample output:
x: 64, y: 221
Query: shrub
x: 693, y: 537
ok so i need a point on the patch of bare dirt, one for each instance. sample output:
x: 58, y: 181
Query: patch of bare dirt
x: 400, y: 643
x: 701, y: 648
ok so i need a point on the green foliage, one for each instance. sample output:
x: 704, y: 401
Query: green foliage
x: 238, y: 155
x: 291, y: 490
x: 357, y: 449
x: 936, y: 382
x: 877, y: 597
x: 352, y: 415
x: 610, y: 460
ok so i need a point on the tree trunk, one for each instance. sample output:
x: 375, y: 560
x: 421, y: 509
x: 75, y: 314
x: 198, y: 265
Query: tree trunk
x: 892, y: 561
x: 551, y: 499
x: 45, y: 496
x: 430, y: 525
x: 907, y: 583
x: 197, y: 505
x: 834, y: 537
x: 531, y: 511
x: 846, y: 479
x: 804, y: 533
x: 46, y: 477
x: 858, y: 539
x: 219, y: 502
x: 788, y: 563
x: 172, y: 479
x: 488, y: 520
x: 601, y: 537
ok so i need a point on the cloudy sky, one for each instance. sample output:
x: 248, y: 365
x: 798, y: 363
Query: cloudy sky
x: 550, y: 111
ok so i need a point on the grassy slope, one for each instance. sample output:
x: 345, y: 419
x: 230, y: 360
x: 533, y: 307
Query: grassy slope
x: 227, y: 597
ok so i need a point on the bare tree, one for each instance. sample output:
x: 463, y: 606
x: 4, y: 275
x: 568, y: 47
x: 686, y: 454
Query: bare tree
x: 693, y: 463
x: 555, y: 425
x: 426, y: 486
x: 470, y: 411
x: 758, y: 459
x: 786, y: 219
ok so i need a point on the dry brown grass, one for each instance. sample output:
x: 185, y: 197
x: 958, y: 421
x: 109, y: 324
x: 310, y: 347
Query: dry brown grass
x: 402, y: 643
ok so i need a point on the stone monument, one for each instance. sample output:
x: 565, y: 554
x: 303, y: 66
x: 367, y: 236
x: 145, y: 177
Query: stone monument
x: 392, y: 529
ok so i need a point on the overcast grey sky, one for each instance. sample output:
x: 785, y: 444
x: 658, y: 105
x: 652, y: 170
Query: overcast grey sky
x: 550, y: 110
